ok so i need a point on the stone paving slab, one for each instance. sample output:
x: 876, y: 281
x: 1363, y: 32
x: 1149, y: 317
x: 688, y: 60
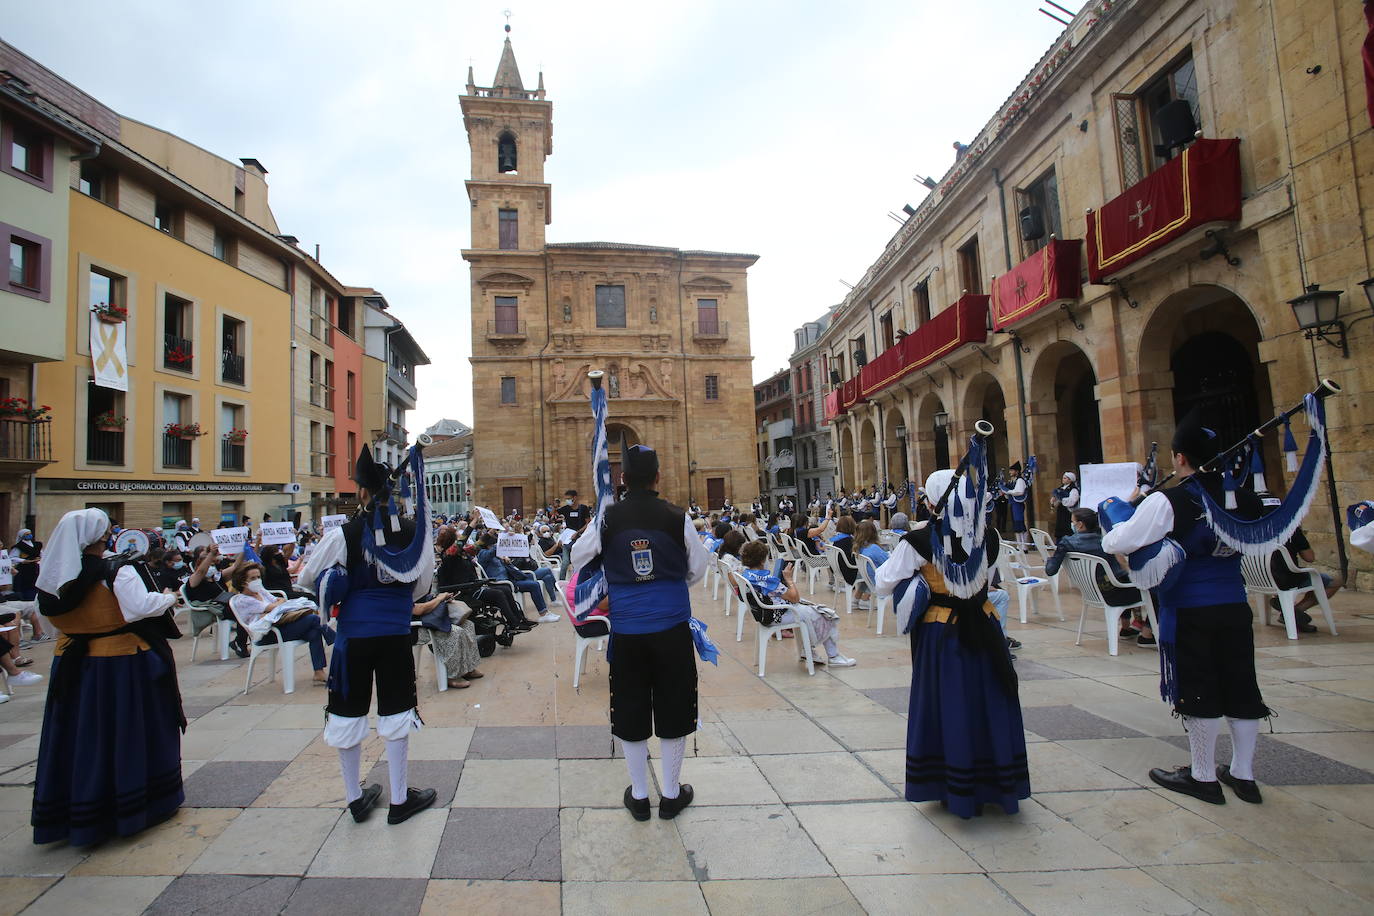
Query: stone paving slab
x: 799, y: 786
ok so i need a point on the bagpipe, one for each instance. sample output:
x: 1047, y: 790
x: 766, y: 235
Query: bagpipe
x: 406, y: 482
x: 1153, y: 564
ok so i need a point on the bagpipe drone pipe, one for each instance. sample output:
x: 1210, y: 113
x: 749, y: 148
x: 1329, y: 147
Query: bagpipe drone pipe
x: 1239, y: 464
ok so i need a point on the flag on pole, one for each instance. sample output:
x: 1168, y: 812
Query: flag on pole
x: 591, y: 580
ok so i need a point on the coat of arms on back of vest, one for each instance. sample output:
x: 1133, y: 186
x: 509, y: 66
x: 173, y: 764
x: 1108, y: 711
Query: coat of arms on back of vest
x: 642, y: 558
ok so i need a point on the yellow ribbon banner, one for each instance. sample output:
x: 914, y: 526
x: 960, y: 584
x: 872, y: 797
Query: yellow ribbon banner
x: 108, y: 355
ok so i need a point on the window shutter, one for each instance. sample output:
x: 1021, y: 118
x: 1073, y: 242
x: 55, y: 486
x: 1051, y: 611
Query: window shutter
x: 1126, y: 118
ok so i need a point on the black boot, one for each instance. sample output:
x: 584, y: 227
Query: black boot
x: 416, y: 801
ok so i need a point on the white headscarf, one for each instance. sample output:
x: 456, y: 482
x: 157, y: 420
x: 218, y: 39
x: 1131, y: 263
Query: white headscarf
x: 24, y: 534
x: 76, y: 531
x: 937, y: 483
x: 1073, y: 478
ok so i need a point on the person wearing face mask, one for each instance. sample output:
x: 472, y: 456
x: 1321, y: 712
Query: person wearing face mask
x: 1086, y: 537
x: 171, y: 572
x: 251, y: 600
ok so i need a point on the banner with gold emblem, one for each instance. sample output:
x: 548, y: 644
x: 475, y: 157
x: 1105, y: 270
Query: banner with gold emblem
x: 109, y: 354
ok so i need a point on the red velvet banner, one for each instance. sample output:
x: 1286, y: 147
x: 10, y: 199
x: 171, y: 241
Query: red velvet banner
x: 962, y: 323
x: 848, y: 394
x: 832, y: 405
x: 1050, y: 275
x: 1200, y: 186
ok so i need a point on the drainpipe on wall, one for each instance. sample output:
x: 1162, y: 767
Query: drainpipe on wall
x: 548, y: 339
x: 1016, y: 342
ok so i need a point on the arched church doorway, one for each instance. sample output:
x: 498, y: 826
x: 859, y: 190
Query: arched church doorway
x: 618, y: 434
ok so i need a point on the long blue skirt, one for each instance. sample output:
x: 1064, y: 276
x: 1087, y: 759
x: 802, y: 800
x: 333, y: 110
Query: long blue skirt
x: 965, y: 745
x: 109, y: 761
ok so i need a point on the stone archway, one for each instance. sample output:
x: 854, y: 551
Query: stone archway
x: 1201, y: 344
x: 844, y: 458
x: 896, y: 436
x: 932, y: 439
x: 984, y: 399
x: 614, y: 433
x: 867, y: 473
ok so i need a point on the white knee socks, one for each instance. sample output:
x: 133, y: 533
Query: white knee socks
x: 673, y: 750
x: 397, y: 761
x: 1202, y: 742
x: 637, y: 759
x: 350, y: 765
x: 1244, y: 736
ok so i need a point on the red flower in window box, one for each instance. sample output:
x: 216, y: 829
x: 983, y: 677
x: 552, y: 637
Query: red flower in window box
x: 179, y: 356
x: 183, y: 430
x: 110, y: 422
x: 236, y: 436
x: 110, y: 313
x: 13, y: 407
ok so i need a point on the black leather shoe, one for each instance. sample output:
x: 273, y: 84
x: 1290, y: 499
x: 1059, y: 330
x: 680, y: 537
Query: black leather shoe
x: 638, y: 807
x: 1181, y: 780
x: 416, y: 801
x: 361, y: 808
x: 668, y: 808
x: 1246, y: 789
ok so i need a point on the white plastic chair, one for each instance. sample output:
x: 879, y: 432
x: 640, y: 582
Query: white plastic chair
x: 1025, y: 584
x: 1260, y: 585
x: 285, y: 650
x: 839, y: 563
x: 1082, y: 570
x: 814, y: 564
x: 1044, y: 544
x: 583, y: 644
x: 750, y: 595
x: 868, y: 572
x: 440, y: 669
x: 219, y: 630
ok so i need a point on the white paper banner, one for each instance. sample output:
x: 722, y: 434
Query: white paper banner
x: 489, y: 518
x: 512, y: 545
x: 331, y: 521
x: 230, y: 540
x: 1098, y: 481
x: 277, y: 533
x: 109, y: 354
x: 6, y: 569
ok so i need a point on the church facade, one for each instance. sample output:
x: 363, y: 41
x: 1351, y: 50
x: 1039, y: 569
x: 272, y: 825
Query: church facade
x: 669, y: 327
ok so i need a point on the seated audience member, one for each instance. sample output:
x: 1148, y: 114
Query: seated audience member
x: 844, y: 540
x: 801, y: 532
x: 205, y: 590
x: 899, y: 523
x: 592, y: 628
x: 251, y: 600
x: 729, y: 548
x: 276, y: 570
x: 1087, y: 538
x: 1301, y: 551
x: 822, y: 622
x: 457, y: 569
x: 866, y: 542
x: 457, y: 647
x: 170, y: 571
x: 497, y: 568
x: 11, y: 661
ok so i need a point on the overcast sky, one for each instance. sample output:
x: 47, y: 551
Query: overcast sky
x: 786, y: 129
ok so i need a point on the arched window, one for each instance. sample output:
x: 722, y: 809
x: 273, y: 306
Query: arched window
x: 505, y: 153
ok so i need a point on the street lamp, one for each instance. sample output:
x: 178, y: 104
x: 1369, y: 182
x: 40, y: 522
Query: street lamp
x: 1316, y: 310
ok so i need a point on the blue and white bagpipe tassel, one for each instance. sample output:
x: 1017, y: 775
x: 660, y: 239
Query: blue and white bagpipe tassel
x: 408, y: 563
x: 705, y: 648
x: 1152, y: 565
x: 1290, y: 447
x: 910, y: 600
x: 591, y: 579
x: 967, y: 578
x: 1257, y: 482
x: 1261, y: 537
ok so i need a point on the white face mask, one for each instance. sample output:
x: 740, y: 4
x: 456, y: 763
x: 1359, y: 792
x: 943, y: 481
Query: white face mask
x: 257, y: 586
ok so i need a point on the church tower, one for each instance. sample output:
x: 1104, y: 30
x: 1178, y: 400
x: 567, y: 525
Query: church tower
x: 510, y: 133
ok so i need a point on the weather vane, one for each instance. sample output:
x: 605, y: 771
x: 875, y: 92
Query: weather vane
x: 507, y: 14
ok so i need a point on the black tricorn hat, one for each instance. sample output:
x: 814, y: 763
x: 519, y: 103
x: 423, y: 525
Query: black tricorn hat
x: 640, y: 461
x: 374, y: 475
x: 1193, y: 439
x: 1016, y: 466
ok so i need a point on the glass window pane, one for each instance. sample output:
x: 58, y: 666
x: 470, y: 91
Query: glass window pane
x: 17, y: 258
x: 610, y: 306
x: 19, y: 154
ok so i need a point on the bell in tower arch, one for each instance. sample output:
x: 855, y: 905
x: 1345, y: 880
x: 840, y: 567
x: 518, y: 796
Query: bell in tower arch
x: 505, y: 154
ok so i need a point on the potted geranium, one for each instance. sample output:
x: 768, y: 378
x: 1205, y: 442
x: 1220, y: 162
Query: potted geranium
x: 110, y: 422
x: 177, y: 356
x: 183, y: 430
x: 13, y: 407
x: 236, y: 436
x: 34, y: 414
x: 110, y: 313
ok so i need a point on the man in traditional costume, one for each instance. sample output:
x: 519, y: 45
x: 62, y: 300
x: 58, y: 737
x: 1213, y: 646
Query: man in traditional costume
x: 109, y: 760
x: 965, y: 743
x: 1207, y: 649
x: 650, y: 554
x: 1015, y: 492
x: 375, y: 567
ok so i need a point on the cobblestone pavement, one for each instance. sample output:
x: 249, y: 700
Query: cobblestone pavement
x: 798, y: 782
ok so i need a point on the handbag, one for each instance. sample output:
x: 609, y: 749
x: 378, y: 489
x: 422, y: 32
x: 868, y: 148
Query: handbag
x: 437, y: 619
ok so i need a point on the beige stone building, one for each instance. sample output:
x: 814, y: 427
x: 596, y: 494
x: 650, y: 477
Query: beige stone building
x: 669, y: 327
x: 1192, y: 248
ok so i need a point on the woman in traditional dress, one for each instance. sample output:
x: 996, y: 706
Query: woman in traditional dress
x: 965, y: 744
x: 109, y: 762
x: 1065, y: 500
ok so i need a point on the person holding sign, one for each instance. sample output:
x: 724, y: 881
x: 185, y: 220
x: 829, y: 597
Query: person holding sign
x: 496, y: 567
